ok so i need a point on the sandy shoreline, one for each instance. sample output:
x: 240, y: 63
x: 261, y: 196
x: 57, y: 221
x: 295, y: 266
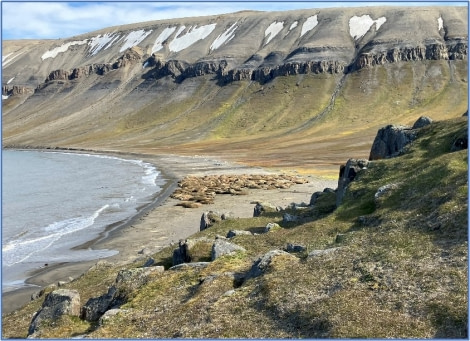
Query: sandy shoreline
x: 162, y: 222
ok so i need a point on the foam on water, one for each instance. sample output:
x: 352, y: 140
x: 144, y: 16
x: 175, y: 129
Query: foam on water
x: 69, y: 200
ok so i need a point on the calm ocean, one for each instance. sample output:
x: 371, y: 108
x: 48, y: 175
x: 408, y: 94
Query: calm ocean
x: 54, y: 201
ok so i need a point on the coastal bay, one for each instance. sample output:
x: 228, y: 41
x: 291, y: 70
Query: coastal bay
x: 161, y: 222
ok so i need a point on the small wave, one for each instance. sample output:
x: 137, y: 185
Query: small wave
x: 151, y: 173
x: 20, y: 250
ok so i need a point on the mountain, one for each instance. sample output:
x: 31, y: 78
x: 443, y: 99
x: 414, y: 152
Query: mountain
x: 304, y: 89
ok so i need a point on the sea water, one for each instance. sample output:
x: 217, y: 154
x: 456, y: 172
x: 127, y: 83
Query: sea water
x: 55, y: 201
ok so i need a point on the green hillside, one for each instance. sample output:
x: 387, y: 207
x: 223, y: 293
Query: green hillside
x: 388, y: 267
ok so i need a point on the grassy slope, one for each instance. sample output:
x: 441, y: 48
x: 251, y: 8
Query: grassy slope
x: 273, y: 125
x: 400, y: 270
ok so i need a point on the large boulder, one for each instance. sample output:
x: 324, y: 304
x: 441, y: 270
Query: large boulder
x: 56, y: 304
x: 135, y: 278
x: 222, y: 247
x: 182, y: 254
x: 208, y: 219
x: 262, y: 207
x: 423, y: 121
x: 271, y: 227
x: 95, y: 307
x: 390, y: 141
x: 126, y: 281
x: 347, y: 173
x: 261, y: 265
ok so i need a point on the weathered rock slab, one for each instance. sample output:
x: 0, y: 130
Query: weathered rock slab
x: 222, y: 247
x: 56, y: 304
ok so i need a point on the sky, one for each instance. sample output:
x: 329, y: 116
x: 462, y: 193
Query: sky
x: 62, y: 19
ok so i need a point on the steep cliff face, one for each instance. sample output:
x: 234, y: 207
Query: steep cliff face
x: 181, y: 81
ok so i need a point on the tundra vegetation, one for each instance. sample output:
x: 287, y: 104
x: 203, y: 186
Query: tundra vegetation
x: 388, y: 263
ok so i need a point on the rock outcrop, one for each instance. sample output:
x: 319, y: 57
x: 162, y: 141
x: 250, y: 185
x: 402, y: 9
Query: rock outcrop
x: 262, y: 208
x: 347, y: 173
x: 57, y: 303
x: 222, y: 247
x: 182, y: 254
x: 392, y: 139
x: 16, y: 90
x: 234, y: 233
x: 126, y: 281
x: 376, y: 53
x: 262, y: 264
x: 210, y: 218
x: 130, y: 57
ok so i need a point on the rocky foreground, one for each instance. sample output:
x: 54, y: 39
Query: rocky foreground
x: 388, y: 261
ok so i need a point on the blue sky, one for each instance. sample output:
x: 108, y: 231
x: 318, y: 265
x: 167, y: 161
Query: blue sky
x: 53, y: 20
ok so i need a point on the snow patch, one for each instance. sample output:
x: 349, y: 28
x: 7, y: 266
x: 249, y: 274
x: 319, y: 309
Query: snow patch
x: 5, y: 57
x: 440, y: 23
x: 192, y: 36
x: 309, y: 24
x: 224, y: 37
x: 359, y: 26
x: 134, y: 38
x: 4, y: 97
x: 6, y: 61
x: 10, y: 80
x: 273, y: 30
x: 166, y: 33
x: 294, y: 25
x: 61, y: 49
x: 102, y: 42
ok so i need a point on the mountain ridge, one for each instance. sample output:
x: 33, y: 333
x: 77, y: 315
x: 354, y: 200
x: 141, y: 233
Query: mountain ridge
x: 194, y: 85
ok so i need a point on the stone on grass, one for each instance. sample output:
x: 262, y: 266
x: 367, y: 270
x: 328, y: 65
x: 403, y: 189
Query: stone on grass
x: 95, y: 307
x: 222, y: 247
x: 294, y: 248
x: 182, y: 254
x: 56, y: 304
x: 317, y: 253
x: 234, y: 233
x: 261, y: 265
x: 390, y: 141
x: 109, y: 314
x: 348, y: 173
x: 263, y: 207
x: 271, y: 227
x: 149, y: 263
x: 423, y: 121
x: 195, y: 265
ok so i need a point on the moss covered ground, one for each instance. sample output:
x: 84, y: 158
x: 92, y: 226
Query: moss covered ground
x: 398, y: 266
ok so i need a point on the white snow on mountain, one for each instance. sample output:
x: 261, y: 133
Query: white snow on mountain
x: 440, y: 23
x: 359, y: 26
x: 99, y: 42
x: 134, y: 38
x: 224, y: 37
x: 192, y: 36
x: 273, y: 30
x: 309, y: 24
x: 166, y: 33
x: 61, y: 49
